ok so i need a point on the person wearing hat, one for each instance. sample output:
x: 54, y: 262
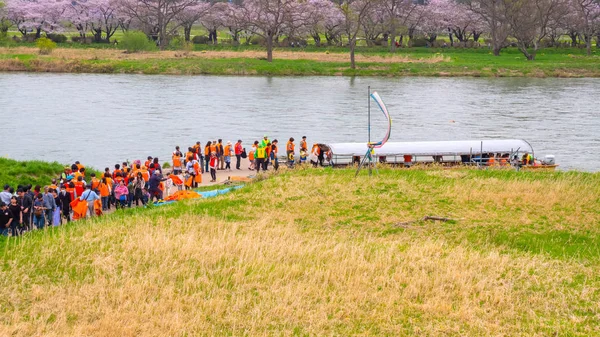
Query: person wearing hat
x: 227, y: 155
x: 6, y: 195
x: 265, y: 141
x: 238, y: 153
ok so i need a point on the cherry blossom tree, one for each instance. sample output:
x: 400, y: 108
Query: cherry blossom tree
x: 461, y: 22
x: 269, y: 18
x: 39, y: 16
x: 353, y: 16
x: 398, y: 13
x: 333, y: 26
x: 158, y: 17
x: 586, y: 19
x: 493, y: 14
x: 319, y: 13
x: 190, y: 16
x: 529, y: 22
x: 231, y: 17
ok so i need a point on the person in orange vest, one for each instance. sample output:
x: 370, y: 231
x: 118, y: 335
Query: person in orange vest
x: 206, y: 155
x: 227, y: 150
x: 148, y: 162
x: 251, y: 157
x: 95, y: 182
x: 79, y: 187
x: 491, y: 159
x: 105, y: 191
x: 289, y: 150
x: 126, y: 172
x: 177, y: 165
x: 315, y: 155
x: 116, y: 171
x: 303, y: 146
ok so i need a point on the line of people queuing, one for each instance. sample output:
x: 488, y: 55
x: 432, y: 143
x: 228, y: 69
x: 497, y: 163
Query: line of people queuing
x: 28, y: 208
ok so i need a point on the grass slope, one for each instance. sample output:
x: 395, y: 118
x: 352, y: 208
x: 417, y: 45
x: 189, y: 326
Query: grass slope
x: 244, y: 60
x: 33, y: 172
x: 316, y: 252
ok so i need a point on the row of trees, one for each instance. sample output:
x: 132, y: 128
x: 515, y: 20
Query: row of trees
x: 526, y: 22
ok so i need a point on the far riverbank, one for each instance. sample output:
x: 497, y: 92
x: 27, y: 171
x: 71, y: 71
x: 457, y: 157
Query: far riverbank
x: 245, y: 62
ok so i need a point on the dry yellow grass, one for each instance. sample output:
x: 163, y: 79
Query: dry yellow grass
x: 316, y: 253
x: 113, y: 54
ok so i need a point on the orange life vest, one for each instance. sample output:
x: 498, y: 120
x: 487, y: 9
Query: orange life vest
x: 176, y: 161
x: 213, y: 148
x: 207, y: 150
x: 227, y: 150
x: 290, y: 146
x: 104, y: 190
x: 303, y: 145
x: 95, y: 183
x: 79, y: 188
x: 491, y: 161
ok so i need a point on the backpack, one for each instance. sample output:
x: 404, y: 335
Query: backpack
x: 244, y: 154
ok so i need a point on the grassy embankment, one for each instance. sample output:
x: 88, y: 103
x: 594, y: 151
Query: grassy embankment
x: 327, y: 61
x: 34, y: 172
x: 317, y: 252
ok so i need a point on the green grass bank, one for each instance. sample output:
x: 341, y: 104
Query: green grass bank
x: 324, y: 61
x: 315, y: 252
x: 33, y: 172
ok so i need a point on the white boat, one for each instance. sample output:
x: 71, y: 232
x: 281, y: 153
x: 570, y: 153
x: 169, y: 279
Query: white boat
x: 488, y: 152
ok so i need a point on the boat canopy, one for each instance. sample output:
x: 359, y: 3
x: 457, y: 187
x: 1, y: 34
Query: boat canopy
x: 437, y: 148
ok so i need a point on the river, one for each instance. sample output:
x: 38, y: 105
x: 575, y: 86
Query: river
x: 104, y: 119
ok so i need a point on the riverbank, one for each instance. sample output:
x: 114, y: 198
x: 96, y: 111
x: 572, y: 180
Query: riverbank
x: 319, y: 252
x: 288, y: 62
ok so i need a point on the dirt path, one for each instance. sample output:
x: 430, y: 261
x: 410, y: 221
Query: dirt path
x: 116, y: 54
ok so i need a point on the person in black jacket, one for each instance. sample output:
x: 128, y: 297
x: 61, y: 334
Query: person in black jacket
x: 26, y: 204
x: 65, y: 200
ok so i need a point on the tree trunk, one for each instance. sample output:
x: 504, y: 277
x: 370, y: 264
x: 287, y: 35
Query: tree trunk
x: 392, y: 39
x: 588, y: 44
x: 476, y: 36
x: 496, y: 51
x: 352, y: 44
x: 97, y: 35
x: 317, y: 39
x: 269, y: 48
x: 187, y: 32
x: 529, y: 56
x: 573, y: 37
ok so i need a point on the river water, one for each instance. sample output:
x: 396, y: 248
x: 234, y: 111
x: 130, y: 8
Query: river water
x: 103, y: 119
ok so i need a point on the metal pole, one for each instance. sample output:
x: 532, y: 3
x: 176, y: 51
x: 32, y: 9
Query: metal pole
x: 369, y: 113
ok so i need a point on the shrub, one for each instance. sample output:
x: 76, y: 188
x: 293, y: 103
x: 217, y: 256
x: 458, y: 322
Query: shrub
x: 177, y: 43
x: 258, y: 40
x: 58, y: 38
x: 79, y: 39
x: 200, y: 39
x: 418, y: 43
x: 137, y: 41
x: 166, y: 165
x: 45, y: 45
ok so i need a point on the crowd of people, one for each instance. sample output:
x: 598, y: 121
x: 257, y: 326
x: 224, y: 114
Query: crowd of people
x: 28, y: 207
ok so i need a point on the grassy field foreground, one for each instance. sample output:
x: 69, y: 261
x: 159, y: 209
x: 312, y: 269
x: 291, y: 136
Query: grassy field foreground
x: 331, y: 61
x: 317, y: 252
